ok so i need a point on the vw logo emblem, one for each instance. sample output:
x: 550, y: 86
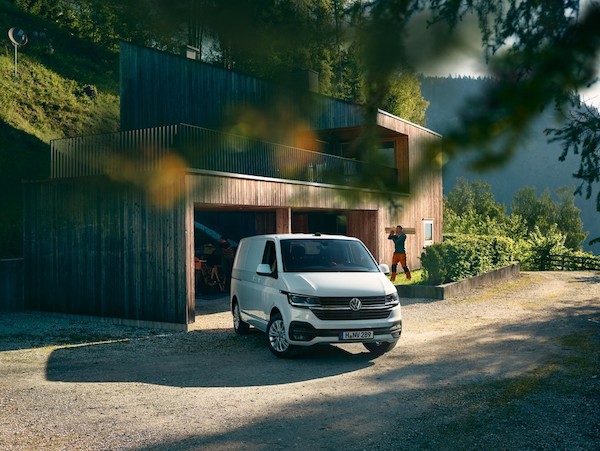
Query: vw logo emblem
x: 355, y: 304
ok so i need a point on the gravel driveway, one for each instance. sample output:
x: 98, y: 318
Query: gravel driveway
x: 514, y: 366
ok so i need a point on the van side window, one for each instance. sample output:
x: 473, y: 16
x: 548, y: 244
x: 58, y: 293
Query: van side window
x: 269, y: 256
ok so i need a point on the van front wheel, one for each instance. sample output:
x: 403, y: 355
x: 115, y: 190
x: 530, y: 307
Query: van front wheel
x: 277, y: 337
x: 380, y: 347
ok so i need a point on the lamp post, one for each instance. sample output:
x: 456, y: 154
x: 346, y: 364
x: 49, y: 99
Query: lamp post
x: 18, y: 38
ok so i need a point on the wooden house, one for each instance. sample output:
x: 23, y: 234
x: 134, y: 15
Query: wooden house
x: 115, y: 230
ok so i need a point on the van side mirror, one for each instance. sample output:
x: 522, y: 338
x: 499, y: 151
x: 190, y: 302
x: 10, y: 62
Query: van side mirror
x: 384, y: 268
x: 265, y: 270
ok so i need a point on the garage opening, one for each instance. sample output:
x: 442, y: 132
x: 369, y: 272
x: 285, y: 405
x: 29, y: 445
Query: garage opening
x: 216, y: 236
x: 334, y: 223
x: 217, y: 233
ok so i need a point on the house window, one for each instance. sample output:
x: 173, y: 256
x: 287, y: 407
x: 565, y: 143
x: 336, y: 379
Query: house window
x: 427, y: 232
x: 387, y: 153
x: 385, y: 149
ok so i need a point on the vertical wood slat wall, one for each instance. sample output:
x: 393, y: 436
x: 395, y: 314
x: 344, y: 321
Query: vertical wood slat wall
x: 95, y: 249
x: 159, y: 88
x: 105, y: 154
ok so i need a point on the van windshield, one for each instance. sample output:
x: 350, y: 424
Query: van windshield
x: 326, y: 255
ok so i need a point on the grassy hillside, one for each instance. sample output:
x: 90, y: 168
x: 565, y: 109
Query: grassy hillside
x: 70, y: 90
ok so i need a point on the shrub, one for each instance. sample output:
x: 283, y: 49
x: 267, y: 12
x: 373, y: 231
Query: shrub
x: 539, y: 246
x: 434, y: 264
x: 463, y: 256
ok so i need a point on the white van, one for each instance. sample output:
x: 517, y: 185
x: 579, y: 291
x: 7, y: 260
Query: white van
x: 306, y: 289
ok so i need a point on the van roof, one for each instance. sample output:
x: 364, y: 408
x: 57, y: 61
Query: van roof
x: 303, y: 236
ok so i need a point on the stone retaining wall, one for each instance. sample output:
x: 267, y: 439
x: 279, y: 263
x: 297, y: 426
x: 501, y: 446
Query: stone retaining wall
x: 454, y: 288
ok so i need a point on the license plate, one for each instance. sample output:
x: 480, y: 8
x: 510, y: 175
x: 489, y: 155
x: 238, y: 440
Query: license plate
x: 356, y: 335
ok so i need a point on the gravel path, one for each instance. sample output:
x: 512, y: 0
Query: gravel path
x: 515, y: 366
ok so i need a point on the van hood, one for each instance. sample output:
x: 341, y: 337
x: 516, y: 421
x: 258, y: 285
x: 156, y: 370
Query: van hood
x: 338, y: 284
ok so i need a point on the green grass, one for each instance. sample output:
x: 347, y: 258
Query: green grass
x: 46, y: 101
x: 416, y: 278
x: 47, y: 106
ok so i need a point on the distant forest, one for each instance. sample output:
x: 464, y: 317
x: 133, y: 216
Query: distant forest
x: 535, y: 164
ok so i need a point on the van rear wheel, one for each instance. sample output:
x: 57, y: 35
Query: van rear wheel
x: 277, y: 338
x: 378, y: 348
x: 239, y: 326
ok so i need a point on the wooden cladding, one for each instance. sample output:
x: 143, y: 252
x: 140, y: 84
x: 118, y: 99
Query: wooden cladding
x: 96, y: 248
x: 112, y: 153
x: 159, y: 88
x: 123, y: 155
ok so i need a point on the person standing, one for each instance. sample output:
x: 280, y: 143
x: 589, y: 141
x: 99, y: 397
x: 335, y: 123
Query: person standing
x: 399, y: 238
x: 227, y: 253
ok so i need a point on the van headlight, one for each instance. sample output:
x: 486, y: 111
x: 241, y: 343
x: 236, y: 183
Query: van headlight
x: 392, y: 299
x: 299, y: 300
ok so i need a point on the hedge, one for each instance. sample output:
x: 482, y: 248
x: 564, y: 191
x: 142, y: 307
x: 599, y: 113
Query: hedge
x: 462, y: 256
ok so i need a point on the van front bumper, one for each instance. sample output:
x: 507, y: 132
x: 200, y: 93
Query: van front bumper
x: 305, y: 334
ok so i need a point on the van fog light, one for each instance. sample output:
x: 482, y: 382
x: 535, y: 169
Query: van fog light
x: 302, y: 331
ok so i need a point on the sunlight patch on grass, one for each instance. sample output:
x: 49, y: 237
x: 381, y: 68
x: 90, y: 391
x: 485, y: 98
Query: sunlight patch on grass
x: 417, y: 277
x: 46, y: 105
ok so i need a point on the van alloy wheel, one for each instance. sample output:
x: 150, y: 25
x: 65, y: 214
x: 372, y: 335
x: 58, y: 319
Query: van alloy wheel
x: 277, y: 336
x: 278, y: 340
x: 239, y: 326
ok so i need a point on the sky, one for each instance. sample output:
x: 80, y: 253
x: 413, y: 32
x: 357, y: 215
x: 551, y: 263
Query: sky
x: 462, y: 55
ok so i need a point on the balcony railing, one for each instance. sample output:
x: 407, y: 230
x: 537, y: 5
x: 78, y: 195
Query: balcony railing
x: 203, y: 149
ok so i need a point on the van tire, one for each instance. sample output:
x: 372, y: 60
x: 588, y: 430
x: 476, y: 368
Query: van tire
x: 378, y: 348
x: 277, y: 338
x: 240, y: 327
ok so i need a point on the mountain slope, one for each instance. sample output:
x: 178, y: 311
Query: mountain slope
x: 535, y: 164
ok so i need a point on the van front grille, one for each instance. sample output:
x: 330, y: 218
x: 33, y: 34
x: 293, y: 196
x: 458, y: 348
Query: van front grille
x: 345, y: 315
x: 338, y: 309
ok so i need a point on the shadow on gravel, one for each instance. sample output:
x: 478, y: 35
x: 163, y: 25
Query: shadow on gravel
x: 411, y: 301
x: 219, y: 358
x: 199, y: 359
x: 31, y: 330
x: 587, y: 278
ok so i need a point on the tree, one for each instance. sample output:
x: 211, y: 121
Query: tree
x: 581, y: 135
x: 477, y: 198
x: 541, y: 212
x: 545, y: 214
x: 462, y: 198
x: 569, y: 219
x: 404, y: 98
x: 543, y: 244
x: 541, y: 54
x: 472, y: 209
